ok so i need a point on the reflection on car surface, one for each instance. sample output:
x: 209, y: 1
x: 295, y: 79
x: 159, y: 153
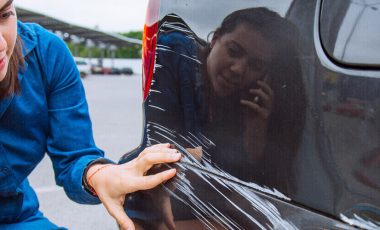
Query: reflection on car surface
x: 275, y: 109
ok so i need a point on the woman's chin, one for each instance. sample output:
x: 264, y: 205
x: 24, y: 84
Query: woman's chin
x: 2, y: 76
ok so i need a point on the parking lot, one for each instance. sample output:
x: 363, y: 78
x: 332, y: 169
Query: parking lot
x: 116, y: 112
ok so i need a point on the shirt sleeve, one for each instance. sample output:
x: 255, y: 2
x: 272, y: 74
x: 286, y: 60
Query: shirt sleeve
x: 70, y: 143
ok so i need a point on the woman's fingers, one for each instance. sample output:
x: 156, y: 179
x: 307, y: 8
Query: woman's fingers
x: 151, y: 181
x: 116, y: 210
x: 164, y: 155
x: 261, y: 111
x: 265, y: 98
x: 266, y: 88
x: 263, y: 94
x: 157, y: 147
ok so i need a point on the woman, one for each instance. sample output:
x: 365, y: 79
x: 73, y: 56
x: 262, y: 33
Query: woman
x: 43, y: 109
x: 239, y: 96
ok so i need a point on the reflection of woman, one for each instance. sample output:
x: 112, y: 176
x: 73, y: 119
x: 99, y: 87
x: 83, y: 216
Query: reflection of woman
x: 43, y: 110
x: 243, y: 90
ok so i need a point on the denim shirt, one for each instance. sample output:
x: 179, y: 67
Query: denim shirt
x: 49, y: 115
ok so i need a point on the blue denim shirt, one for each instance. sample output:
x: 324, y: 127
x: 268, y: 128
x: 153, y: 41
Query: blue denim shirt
x: 49, y: 115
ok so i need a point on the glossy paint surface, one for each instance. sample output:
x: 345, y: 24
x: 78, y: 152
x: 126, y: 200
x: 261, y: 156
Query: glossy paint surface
x: 295, y: 147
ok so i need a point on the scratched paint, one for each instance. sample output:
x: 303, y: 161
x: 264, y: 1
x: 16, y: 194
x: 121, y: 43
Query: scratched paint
x: 216, y: 198
x: 360, y: 222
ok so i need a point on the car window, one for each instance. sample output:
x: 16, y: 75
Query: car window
x: 351, y: 36
x: 81, y: 63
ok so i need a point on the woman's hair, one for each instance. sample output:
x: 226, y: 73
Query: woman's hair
x: 287, y: 120
x: 10, y: 84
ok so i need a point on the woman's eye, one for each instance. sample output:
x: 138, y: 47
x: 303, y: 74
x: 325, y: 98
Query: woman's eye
x: 233, y: 51
x: 6, y: 15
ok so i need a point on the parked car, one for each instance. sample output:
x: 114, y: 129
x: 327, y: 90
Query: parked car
x: 126, y: 71
x: 123, y: 70
x: 244, y: 89
x: 83, y: 65
x: 96, y: 69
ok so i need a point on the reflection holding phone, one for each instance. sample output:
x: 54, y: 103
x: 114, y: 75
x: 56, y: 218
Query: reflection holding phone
x: 243, y: 90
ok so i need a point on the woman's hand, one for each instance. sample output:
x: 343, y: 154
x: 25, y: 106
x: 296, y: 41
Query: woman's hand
x: 113, y: 182
x: 256, y: 119
x: 262, y: 102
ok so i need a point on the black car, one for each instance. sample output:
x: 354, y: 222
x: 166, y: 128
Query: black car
x: 275, y: 106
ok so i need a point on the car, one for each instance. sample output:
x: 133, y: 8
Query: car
x: 254, y: 95
x: 123, y: 70
x: 96, y: 69
x: 83, y: 66
x: 126, y: 71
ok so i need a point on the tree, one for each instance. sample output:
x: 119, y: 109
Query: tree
x: 132, y: 51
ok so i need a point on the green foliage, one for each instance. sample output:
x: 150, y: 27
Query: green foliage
x: 133, y: 51
x: 133, y: 34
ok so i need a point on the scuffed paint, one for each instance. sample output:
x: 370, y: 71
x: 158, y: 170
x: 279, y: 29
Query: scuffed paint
x: 261, y: 207
x: 210, y: 174
x: 357, y: 221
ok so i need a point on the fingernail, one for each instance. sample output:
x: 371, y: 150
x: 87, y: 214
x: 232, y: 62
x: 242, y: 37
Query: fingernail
x: 175, y: 155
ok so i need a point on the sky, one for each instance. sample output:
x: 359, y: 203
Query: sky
x: 109, y: 15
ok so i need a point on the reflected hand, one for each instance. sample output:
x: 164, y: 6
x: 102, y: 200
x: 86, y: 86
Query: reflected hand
x: 161, y: 195
x: 256, y: 119
x: 262, y: 101
x: 115, y: 181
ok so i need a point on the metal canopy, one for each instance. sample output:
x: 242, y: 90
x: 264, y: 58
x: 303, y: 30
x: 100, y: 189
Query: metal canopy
x: 73, y: 32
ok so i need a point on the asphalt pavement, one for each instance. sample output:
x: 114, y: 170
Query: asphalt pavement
x: 115, y: 104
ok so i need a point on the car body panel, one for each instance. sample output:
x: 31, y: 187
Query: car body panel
x: 320, y: 162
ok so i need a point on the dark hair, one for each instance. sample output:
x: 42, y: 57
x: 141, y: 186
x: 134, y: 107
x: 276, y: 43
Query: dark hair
x: 287, y: 120
x: 10, y: 84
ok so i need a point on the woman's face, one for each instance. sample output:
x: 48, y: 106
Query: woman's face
x: 8, y: 34
x: 238, y: 59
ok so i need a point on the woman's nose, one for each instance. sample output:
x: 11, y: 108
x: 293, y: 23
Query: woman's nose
x: 239, y: 67
x: 3, y: 43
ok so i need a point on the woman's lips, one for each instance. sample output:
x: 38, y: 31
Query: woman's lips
x: 2, y: 63
x: 227, y: 83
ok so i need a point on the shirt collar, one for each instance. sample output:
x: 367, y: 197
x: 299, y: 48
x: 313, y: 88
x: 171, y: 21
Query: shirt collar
x: 28, y: 37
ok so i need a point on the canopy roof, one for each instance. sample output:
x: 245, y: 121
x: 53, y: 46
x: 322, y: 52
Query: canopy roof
x: 76, y: 33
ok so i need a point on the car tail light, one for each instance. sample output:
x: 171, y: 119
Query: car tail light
x: 149, y: 45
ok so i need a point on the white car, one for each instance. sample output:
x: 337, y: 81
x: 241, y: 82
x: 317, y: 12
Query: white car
x: 83, y: 66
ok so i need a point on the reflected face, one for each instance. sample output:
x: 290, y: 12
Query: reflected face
x: 238, y: 59
x: 8, y: 34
